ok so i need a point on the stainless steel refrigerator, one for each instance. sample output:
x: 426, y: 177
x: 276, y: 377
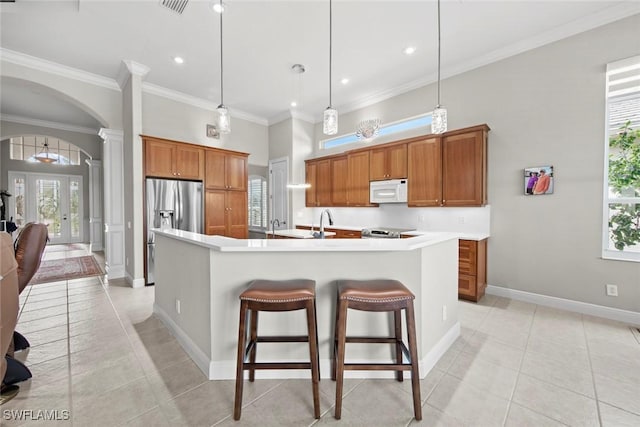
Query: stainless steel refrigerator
x: 173, y: 204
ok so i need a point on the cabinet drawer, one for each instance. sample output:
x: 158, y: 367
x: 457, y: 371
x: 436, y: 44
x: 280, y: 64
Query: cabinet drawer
x: 467, y: 286
x: 467, y: 257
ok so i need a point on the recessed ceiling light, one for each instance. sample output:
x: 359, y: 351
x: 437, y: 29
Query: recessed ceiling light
x: 344, y: 81
x: 409, y: 50
x: 218, y: 7
x: 178, y: 60
x: 294, y: 104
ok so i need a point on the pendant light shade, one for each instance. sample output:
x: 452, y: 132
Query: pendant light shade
x: 330, y: 119
x: 439, y: 115
x: 224, y: 119
x: 44, y: 156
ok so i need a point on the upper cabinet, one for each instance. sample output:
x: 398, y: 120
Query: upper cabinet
x: 318, y: 175
x: 339, y: 181
x: 358, y: 178
x: 388, y: 162
x: 226, y: 170
x: 166, y: 159
x: 449, y: 169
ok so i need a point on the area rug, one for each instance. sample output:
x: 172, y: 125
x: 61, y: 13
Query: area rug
x: 65, y: 247
x: 66, y: 269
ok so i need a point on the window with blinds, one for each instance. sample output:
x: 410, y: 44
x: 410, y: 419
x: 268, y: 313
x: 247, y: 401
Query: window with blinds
x: 257, y: 202
x: 621, y: 207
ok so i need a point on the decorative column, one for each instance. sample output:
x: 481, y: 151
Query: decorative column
x: 112, y: 154
x: 96, y: 230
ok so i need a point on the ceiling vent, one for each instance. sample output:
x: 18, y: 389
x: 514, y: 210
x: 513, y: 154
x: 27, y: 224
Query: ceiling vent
x: 175, y: 5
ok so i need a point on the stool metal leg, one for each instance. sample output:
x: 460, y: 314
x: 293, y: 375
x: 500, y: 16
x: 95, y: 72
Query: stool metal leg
x: 341, y: 333
x: 397, y: 322
x: 413, y: 351
x: 253, y: 339
x: 313, y: 356
x: 242, y: 336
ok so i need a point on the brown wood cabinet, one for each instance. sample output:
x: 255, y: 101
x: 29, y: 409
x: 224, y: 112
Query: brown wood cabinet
x: 472, y: 269
x: 225, y: 170
x: 388, y: 162
x: 167, y: 159
x: 226, y: 213
x: 318, y: 175
x: 341, y: 233
x: 358, y: 179
x: 449, y: 169
x: 339, y: 181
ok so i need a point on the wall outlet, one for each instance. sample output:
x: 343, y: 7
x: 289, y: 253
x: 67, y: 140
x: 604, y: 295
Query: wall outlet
x: 612, y: 290
x: 444, y: 312
x: 178, y: 306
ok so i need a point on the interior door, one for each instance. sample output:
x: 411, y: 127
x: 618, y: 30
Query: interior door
x: 279, y: 196
x: 55, y: 200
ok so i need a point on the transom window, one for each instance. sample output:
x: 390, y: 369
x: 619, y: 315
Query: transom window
x: 621, y: 225
x: 29, y: 146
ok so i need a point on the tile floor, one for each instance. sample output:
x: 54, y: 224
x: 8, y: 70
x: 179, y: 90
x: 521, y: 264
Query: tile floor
x: 100, y: 354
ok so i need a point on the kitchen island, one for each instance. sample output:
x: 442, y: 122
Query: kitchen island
x: 199, y: 279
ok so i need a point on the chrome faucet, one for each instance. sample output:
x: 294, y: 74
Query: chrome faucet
x: 273, y: 226
x: 320, y: 235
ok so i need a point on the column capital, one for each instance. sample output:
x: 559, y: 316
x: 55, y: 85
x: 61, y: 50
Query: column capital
x: 111, y: 134
x: 130, y: 68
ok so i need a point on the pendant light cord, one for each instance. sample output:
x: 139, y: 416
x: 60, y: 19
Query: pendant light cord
x: 330, y: 47
x: 221, y: 63
x: 438, y: 54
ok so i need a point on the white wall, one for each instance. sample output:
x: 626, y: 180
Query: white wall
x: 166, y: 118
x: 544, y: 107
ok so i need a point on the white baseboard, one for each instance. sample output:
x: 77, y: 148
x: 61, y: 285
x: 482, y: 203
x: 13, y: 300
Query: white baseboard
x: 201, y: 360
x: 626, y: 316
x: 135, y: 283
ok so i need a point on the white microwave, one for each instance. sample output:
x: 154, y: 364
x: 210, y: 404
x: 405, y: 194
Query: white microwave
x: 388, y: 191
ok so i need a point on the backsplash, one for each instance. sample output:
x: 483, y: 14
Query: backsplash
x: 462, y: 220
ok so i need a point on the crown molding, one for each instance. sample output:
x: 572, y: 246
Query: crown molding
x: 47, y: 124
x: 291, y: 114
x: 111, y: 134
x: 40, y: 64
x: 130, y: 68
x: 199, y: 102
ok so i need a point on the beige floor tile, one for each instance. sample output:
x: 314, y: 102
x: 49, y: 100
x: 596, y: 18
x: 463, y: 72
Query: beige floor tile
x: 52, y: 370
x: 609, y: 330
x: 432, y: 417
x: 515, y: 334
x: 484, y: 375
x: 468, y: 403
x: 618, y: 361
x: 42, y: 303
x: 514, y: 306
x: 175, y: 380
x: 157, y: 357
x: 98, y: 381
x: 27, y: 316
x: 114, y: 407
x: 447, y: 359
x: 45, y: 336
x: 40, y: 324
x: 557, y: 349
x: 492, y: 350
x: 614, y: 417
x: 520, y: 416
x: 570, y: 333
x: 563, y: 373
x: 52, y: 350
x: 557, y: 403
x: 623, y: 394
x: 153, y: 418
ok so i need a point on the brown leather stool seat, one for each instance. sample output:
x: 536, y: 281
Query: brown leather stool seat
x: 279, y: 295
x: 376, y: 295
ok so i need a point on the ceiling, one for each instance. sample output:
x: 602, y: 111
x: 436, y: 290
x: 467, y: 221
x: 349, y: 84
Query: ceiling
x: 263, y: 39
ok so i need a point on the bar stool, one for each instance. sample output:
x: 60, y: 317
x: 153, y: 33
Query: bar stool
x: 268, y: 295
x: 376, y: 295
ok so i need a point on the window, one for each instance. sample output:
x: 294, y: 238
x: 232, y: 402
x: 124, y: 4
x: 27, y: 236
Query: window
x: 257, y: 202
x: 28, y: 147
x: 388, y: 129
x: 621, y: 235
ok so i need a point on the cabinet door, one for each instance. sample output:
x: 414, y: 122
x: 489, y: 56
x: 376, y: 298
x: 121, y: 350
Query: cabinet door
x: 358, y: 187
x: 237, y: 215
x: 467, y: 257
x: 189, y: 162
x: 339, y: 181
x: 323, y: 181
x: 158, y: 158
x: 397, y: 161
x: 463, y: 169
x: 378, y: 164
x: 467, y: 287
x: 424, y: 173
x: 215, y: 170
x: 311, y: 193
x: 215, y: 210
x: 236, y: 172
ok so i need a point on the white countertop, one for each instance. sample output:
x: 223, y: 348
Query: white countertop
x: 227, y: 244
x: 463, y: 236
x: 293, y: 233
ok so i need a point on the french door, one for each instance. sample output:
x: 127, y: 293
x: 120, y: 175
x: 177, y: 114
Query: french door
x: 53, y: 199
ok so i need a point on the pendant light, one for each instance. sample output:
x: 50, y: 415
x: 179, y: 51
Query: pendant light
x: 439, y: 116
x: 44, y: 156
x: 224, y: 119
x: 330, y: 120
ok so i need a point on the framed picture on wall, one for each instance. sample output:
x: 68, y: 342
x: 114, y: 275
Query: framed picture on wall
x: 538, y: 180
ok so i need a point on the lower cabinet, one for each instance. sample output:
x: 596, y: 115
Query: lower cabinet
x: 226, y: 213
x: 472, y: 269
x: 341, y: 233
